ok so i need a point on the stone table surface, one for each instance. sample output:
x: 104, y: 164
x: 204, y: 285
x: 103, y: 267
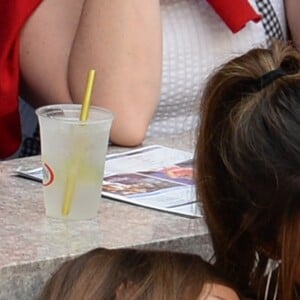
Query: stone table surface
x: 32, y: 246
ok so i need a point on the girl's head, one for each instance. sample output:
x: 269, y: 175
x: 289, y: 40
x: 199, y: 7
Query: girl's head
x: 248, y: 164
x: 103, y: 274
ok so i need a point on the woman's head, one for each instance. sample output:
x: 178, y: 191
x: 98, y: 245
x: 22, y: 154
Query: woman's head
x: 121, y: 274
x: 248, y: 162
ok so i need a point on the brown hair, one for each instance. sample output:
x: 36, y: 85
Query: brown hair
x: 137, y: 274
x: 248, y: 166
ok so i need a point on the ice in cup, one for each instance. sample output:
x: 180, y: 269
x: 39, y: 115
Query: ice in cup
x: 73, y: 158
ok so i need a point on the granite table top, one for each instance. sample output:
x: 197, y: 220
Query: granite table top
x: 32, y: 246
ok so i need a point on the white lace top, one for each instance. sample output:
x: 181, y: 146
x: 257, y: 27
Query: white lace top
x: 195, y: 41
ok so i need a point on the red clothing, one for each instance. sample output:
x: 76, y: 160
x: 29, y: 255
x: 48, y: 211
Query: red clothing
x: 13, y: 15
x: 235, y: 13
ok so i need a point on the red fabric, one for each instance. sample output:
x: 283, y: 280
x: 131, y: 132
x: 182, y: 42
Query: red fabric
x: 235, y: 13
x: 13, y: 14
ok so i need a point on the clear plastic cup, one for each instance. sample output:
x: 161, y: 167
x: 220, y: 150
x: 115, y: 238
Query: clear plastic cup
x: 73, y: 158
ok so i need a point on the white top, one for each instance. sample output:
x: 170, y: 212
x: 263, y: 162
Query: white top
x: 195, y: 41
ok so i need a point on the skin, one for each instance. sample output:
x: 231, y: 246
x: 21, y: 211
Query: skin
x: 293, y: 11
x: 217, y: 292
x: 62, y: 40
x: 209, y: 292
x: 120, y: 39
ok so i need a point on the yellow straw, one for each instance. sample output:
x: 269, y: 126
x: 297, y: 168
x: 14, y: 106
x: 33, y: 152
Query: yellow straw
x: 87, y: 95
x: 71, y: 179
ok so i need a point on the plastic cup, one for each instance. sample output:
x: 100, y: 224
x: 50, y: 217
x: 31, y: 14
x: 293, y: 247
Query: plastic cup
x: 73, y: 158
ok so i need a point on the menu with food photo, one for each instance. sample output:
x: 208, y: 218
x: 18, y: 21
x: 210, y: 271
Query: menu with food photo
x: 156, y: 177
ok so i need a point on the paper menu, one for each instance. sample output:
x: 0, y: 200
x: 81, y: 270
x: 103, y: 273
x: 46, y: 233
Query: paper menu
x: 156, y: 177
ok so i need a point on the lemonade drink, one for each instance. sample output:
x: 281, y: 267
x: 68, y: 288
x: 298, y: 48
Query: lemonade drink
x: 73, y: 151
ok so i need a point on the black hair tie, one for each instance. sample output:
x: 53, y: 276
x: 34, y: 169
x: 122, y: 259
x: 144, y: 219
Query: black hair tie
x: 289, y: 66
x: 268, y: 78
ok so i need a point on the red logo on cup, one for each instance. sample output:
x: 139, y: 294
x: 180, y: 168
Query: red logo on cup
x: 48, y: 175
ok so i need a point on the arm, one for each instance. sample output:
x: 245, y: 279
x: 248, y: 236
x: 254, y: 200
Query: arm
x: 122, y: 41
x: 293, y: 13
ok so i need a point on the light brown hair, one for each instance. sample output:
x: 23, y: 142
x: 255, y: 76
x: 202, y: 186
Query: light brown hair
x: 136, y: 274
x: 248, y: 167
